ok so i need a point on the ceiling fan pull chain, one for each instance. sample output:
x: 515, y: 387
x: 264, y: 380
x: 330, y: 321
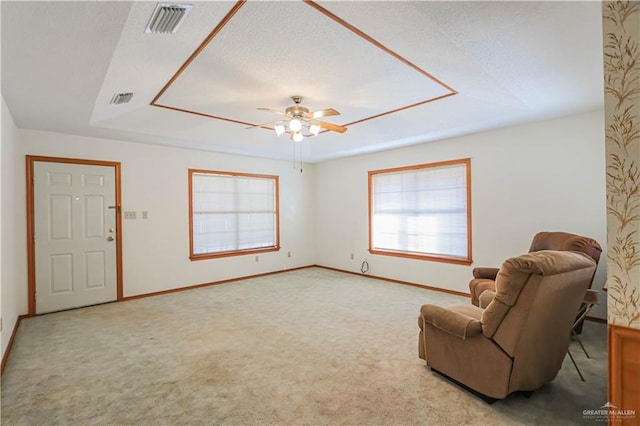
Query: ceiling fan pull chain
x: 300, y: 158
x: 293, y: 145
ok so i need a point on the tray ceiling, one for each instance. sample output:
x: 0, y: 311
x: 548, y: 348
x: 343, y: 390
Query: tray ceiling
x: 399, y: 72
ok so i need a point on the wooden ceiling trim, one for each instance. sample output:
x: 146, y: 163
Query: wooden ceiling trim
x: 333, y: 17
x: 202, y: 114
x: 437, y: 98
x: 376, y: 43
x: 199, y: 50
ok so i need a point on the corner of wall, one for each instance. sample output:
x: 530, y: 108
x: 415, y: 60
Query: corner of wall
x: 13, y: 301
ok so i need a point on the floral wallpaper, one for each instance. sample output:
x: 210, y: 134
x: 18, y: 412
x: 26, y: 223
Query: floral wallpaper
x: 621, y: 37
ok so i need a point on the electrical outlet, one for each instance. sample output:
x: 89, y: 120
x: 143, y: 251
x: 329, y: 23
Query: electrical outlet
x: 257, y: 258
x: 288, y: 254
x: 145, y: 214
x: 130, y: 215
x: 352, y: 256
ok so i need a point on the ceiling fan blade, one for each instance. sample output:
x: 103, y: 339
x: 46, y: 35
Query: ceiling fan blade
x: 264, y: 124
x: 329, y: 126
x: 274, y: 111
x: 324, y: 113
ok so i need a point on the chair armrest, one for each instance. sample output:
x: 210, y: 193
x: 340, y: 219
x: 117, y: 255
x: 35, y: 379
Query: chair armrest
x: 450, y: 321
x: 486, y: 297
x: 485, y: 273
x: 592, y: 297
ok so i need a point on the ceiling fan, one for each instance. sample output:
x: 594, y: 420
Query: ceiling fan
x: 299, y: 119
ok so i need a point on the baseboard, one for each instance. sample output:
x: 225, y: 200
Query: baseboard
x: 426, y: 287
x: 5, y: 357
x: 391, y: 280
x: 230, y: 280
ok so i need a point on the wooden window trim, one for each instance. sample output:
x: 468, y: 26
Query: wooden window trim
x: 205, y: 256
x: 420, y: 256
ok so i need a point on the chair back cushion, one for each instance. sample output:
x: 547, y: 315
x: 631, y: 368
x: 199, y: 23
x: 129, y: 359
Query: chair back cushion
x: 528, y: 268
x: 566, y: 242
x: 537, y: 297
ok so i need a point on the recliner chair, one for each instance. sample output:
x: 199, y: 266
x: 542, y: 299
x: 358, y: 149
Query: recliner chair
x: 484, y: 278
x: 518, y: 343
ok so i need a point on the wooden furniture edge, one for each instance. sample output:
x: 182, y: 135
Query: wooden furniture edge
x: 618, y: 374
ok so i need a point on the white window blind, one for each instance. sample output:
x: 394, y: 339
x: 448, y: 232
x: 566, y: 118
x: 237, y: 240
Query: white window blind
x: 233, y: 213
x: 421, y: 210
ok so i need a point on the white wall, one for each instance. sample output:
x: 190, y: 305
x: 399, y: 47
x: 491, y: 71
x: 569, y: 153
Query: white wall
x: 546, y: 176
x: 155, y: 179
x: 543, y: 176
x: 13, y: 265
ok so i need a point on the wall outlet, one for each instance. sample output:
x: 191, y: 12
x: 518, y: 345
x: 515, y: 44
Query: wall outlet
x: 130, y: 215
x: 288, y: 254
x: 145, y: 214
x: 352, y: 256
x: 257, y: 258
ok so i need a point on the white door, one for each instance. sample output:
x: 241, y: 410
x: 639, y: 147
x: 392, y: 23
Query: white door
x: 75, y: 231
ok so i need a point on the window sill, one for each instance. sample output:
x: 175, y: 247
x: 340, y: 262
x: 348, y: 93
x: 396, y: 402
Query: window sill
x: 206, y: 256
x: 427, y: 257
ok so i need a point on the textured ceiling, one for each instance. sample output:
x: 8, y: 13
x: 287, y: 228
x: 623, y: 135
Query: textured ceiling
x: 399, y: 72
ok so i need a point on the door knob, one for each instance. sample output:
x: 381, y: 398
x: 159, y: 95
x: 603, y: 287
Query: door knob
x: 110, y: 238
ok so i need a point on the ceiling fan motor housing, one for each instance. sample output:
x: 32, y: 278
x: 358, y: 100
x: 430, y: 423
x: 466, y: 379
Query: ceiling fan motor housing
x: 297, y: 111
x: 300, y: 116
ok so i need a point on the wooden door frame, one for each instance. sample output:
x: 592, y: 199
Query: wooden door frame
x: 31, y: 253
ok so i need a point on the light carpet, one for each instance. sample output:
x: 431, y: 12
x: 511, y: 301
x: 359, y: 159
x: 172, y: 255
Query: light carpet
x: 305, y: 347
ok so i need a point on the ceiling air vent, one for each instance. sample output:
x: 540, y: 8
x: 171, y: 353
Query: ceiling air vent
x: 166, y: 18
x: 121, y: 98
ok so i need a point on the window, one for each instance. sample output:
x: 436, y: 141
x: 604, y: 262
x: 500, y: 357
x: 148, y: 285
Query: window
x: 232, y: 214
x: 422, y: 211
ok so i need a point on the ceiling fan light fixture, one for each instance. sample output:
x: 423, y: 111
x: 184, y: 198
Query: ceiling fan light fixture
x: 315, y: 129
x: 295, y: 125
x: 299, y: 117
x: 279, y: 128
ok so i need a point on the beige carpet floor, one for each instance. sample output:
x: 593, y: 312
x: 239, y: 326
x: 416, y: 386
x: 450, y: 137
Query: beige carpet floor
x: 305, y: 347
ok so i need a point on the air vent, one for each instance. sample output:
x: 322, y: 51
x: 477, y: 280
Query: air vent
x: 166, y: 18
x: 121, y: 98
